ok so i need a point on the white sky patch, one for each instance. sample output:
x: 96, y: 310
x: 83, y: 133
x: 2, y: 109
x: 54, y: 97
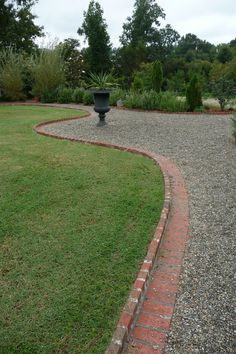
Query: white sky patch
x: 212, y: 20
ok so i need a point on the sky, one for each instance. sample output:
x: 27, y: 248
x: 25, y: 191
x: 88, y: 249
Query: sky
x: 211, y: 20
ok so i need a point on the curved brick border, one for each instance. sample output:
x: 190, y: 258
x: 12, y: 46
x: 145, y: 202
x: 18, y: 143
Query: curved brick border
x: 145, y: 320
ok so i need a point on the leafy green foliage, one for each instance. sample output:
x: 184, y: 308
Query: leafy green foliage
x: 194, y: 94
x: 88, y: 98
x: 143, y: 78
x: 77, y: 95
x: 143, y: 24
x: 64, y: 95
x: 95, y: 30
x: 225, y: 54
x: 223, y: 90
x: 130, y: 59
x: 17, y: 27
x: 49, y: 96
x: 76, y: 221
x: 191, y: 47
x: 117, y: 95
x: 73, y: 62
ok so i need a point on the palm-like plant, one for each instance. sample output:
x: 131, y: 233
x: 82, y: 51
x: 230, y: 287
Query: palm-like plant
x: 101, y: 81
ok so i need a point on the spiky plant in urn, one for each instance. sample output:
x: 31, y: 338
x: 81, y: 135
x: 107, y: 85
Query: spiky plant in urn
x: 101, y: 85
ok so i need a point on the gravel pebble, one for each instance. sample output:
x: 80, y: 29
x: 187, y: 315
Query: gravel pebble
x: 202, y: 147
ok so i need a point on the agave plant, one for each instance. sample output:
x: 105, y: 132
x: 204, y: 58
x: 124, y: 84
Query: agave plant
x: 101, y: 81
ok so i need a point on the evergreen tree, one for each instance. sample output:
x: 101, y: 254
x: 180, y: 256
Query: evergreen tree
x: 194, y: 94
x: 95, y: 30
x: 157, y: 76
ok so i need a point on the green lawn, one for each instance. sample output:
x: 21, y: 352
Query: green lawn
x: 75, y: 224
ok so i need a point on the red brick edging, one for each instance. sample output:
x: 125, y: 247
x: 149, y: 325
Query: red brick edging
x: 145, y: 320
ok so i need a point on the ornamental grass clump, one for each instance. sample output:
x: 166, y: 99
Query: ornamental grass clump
x: 149, y: 100
x: 170, y: 103
x: 11, y: 74
x: 48, y: 71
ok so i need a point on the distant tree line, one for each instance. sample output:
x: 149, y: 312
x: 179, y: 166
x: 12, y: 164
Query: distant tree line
x: 146, y: 49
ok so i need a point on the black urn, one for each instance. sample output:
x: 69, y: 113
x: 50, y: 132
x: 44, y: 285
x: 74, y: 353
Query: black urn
x: 101, y: 105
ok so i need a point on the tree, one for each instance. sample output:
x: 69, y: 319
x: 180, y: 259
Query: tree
x: 131, y: 59
x: 17, y: 27
x: 157, y: 76
x: 223, y: 90
x: 139, y: 32
x: 194, y: 94
x: 73, y: 61
x: 94, y: 29
x: 143, y: 23
x: 143, y: 78
x: 225, y: 54
x: 191, y: 47
x: 163, y: 43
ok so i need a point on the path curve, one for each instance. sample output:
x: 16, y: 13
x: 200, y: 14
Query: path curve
x: 202, y: 147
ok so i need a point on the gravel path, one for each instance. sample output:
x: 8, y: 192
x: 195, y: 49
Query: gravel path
x: 202, y: 147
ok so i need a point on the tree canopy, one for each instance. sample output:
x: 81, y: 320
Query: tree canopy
x: 17, y: 27
x: 143, y: 24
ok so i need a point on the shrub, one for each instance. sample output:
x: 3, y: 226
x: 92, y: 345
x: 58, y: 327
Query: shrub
x: 170, y: 103
x: 64, y: 95
x: 223, y: 90
x: 143, y: 78
x: 49, y: 96
x: 117, y: 95
x: 77, y: 95
x: 137, y: 84
x: 11, y: 78
x: 88, y: 98
x: 157, y: 76
x: 48, y: 71
x: 194, y: 94
x: 149, y: 100
x: 133, y: 100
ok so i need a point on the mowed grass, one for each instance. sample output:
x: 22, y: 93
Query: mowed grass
x: 75, y: 224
